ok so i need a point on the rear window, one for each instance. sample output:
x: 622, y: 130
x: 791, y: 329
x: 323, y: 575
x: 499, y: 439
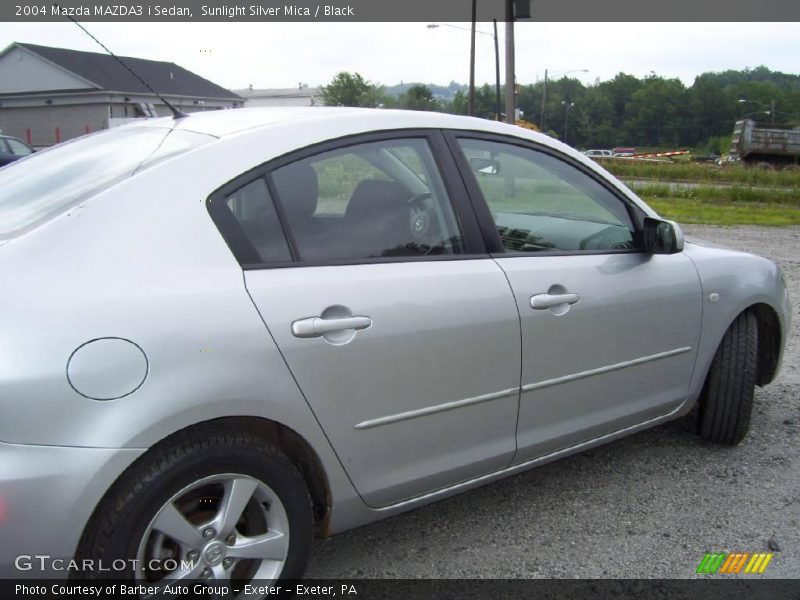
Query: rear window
x: 44, y: 184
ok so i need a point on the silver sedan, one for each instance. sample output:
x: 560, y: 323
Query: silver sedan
x: 225, y: 334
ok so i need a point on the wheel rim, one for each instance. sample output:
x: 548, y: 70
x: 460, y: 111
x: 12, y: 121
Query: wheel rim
x: 220, y: 528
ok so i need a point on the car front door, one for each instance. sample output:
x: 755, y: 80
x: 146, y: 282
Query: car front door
x: 609, y: 332
x: 400, y: 330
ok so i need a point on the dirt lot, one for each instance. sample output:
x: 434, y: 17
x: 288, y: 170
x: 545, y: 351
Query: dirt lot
x: 649, y: 505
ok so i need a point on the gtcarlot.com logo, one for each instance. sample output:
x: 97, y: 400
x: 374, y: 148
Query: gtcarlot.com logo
x: 734, y: 563
x: 44, y: 562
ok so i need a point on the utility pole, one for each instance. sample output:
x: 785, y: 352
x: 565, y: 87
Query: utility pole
x: 472, y: 61
x: 544, y: 102
x: 497, y: 109
x: 567, y: 107
x: 511, y: 101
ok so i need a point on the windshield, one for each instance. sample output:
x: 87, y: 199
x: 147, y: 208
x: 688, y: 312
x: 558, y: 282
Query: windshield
x: 44, y: 184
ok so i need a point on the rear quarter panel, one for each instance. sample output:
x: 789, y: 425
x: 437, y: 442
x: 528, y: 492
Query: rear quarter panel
x: 144, y: 262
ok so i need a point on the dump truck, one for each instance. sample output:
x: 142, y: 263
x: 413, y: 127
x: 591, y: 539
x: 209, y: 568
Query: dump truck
x: 773, y: 145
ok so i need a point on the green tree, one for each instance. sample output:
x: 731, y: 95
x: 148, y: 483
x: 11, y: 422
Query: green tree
x: 485, y: 101
x: 418, y: 97
x: 351, y: 89
x: 619, y: 92
x: 459, y: 105
x: 596, y: 129
x: 657, y: 113
x: 711, y: 110
x: 529, y: 101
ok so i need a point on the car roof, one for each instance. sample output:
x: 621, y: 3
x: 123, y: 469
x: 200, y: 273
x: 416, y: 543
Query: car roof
x: 222, y: 123
x: 329, y: 122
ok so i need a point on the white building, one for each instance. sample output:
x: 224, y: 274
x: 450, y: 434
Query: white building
x: 299, y: 96
x: 48, y: 95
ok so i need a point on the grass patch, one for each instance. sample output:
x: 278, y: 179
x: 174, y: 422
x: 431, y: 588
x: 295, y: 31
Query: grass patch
x: 722, y: 212
x: 733, y: 193
x: 687, y: 171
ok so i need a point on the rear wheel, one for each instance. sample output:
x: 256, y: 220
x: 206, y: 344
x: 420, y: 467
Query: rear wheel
x: 727, y: 399
x: 214, y: 506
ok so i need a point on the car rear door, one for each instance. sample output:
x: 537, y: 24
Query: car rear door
x: 400, y: 330
x: 609, y: 332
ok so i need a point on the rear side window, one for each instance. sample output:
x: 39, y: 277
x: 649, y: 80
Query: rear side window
x: 47, y: 183
x: 378, y: 199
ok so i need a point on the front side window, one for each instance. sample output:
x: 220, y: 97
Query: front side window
x: 370, y: 200
x: 540, y: 203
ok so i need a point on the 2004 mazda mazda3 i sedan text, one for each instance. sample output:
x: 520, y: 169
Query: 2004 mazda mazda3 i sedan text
x: 225, y: 333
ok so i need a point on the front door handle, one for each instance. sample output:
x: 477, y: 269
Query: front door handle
x: 545, y: 301
x: 317, y: 326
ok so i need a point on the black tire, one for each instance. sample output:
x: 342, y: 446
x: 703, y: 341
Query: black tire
x: 727, y: 399
x: 125, y: 515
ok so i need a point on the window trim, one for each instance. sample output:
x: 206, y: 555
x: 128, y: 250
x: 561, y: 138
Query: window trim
x: 246, y: 254
x: 484, y: 214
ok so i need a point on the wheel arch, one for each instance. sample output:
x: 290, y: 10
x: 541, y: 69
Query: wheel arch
x: 771, y: 336
x: 296, y: 448
x: 769, y: 342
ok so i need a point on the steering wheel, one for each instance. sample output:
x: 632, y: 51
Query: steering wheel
x: 605, y: 239
x: 423, y: 223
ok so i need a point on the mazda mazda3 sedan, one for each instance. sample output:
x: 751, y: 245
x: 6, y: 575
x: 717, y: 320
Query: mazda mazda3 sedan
x: 227, y: 333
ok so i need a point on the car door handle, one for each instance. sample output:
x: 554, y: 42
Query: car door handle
x: 317, y: 326
x: 545, y: 301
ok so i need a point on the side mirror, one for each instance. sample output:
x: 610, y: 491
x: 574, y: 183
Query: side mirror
x: 662, y: 237
x: 487, y: 166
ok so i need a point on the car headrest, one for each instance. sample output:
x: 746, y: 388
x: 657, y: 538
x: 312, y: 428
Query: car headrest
x: 374, y: 197
x: 298, y: 188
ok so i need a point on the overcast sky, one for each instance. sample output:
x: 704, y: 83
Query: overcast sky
x: 269, y: 55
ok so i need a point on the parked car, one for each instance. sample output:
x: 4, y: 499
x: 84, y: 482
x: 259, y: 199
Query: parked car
x: 598, y: 153
x: 623, y: 151
x: 12, y: 149
x: 227, y: 333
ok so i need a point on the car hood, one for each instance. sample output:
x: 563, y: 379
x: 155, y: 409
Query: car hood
x: 706, y: 243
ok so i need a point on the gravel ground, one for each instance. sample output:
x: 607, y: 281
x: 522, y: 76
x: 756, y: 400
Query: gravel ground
x: 647, y: 506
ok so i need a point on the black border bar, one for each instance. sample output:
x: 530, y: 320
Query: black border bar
x: 396, y: 10
x: 702, y: 588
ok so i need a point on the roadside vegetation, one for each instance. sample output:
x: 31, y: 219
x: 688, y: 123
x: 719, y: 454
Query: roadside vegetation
x: 725, y: 213
x: 648, y: 112
x: 732, y: 205
x: 694, y: 172
x: 704, y: 193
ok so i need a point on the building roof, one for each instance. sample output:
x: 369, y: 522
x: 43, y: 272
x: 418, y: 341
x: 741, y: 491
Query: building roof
x: 102, y: 70
x: 298, y: 92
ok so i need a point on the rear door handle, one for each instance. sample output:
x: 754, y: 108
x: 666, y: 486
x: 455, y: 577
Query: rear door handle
x: 317, y: 326
x: 545, y: 301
